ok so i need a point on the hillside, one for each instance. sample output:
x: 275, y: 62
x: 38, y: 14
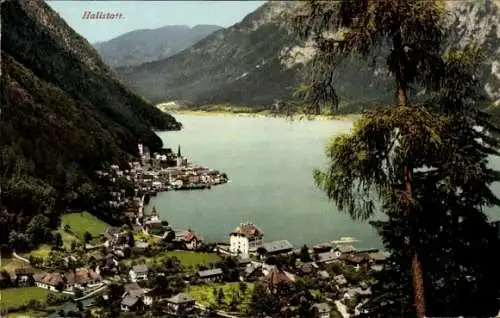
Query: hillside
x: 141, y: 46
x: 258, y: 61
x: 63, y: 116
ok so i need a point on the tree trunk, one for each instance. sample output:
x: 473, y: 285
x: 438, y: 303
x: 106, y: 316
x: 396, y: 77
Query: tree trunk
x: 416, y: 265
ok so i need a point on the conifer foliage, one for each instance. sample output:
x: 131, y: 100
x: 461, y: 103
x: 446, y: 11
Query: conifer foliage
x: 423, y: 158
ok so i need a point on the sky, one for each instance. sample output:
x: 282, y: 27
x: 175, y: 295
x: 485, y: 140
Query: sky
x: 137, y: 15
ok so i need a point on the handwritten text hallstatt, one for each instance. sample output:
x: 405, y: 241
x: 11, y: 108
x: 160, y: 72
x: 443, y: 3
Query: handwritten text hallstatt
x: 101, y: 15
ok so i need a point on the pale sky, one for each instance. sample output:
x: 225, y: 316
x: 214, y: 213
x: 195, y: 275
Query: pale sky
x: 149, y: 15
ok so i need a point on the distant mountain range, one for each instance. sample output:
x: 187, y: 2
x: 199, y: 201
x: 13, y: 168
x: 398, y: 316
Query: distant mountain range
x: 258, y: 61
x: 141, y: 46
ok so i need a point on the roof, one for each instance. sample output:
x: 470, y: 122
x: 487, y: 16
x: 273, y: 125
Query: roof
x: 129, y: 300
x: 180, y: 298
x: 356, y: 259
x: 141, y: 244
x: 276, y: 277
x: 132, y: 286
x: 340, y: 279
x: 81, y: 276
x: 249, y: 230
x: 210, y: 272
x: 378, y: 256
x: 345, y: 248
x: 322, y: 307
x: 322, y: 246
x: 326, y: 257
x: 50, y: 279
x: 324, y: 274
x: 141, y: 268
x: 277, y: 246
x: 24, y: 271
x: 187, y: 236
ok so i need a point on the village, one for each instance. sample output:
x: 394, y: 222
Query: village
x: 147, y: 266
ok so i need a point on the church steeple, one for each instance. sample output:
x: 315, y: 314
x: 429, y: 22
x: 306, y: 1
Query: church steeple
x: 179, y: 151
x: 153, y: 211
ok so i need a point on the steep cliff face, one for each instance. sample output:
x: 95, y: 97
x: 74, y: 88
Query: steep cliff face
x: 63, y: 114
x: 141, y: 46
x: 240, y: 64
x: 258, y: 61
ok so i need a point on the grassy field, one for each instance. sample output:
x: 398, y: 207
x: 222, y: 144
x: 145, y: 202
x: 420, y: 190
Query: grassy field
x: 141, y: 236
x: 204, y: 294
x: 42, y: 251
x: 10, y: 264
x: 194, y: 258
x: 13, y: 297
x: 82, y: 222
x: 187, y: 258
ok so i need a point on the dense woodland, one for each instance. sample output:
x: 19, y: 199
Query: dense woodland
x: 63, y: 116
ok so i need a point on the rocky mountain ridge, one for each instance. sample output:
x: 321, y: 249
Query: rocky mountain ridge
x: 141, y: 46
x: 258, y: 61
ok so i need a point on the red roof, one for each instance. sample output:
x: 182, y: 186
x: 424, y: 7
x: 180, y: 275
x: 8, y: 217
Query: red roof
x: 276, y: 277
x: 250, y: 230
x: 188, y: 236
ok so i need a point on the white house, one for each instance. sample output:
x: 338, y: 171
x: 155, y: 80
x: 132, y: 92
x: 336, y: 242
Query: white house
x: 52, y: 282
x: 246, y: 238
x: 139, y: 272
x: 323, y: 310
x: 180, y: 305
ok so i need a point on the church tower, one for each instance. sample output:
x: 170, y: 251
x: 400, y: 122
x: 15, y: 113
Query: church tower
x: 179, y: 151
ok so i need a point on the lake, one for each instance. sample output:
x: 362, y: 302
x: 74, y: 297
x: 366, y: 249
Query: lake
x: 269, y: 162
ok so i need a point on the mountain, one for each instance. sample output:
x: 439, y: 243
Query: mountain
x: 63, y: 115
x: 258, y: 61
x: 140, y: 46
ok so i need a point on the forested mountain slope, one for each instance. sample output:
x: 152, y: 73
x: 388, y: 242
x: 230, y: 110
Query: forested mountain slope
x: 63, y: 115
x: 258, y: 61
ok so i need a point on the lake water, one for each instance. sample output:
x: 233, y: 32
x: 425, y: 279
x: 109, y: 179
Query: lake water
x: 269, y: 162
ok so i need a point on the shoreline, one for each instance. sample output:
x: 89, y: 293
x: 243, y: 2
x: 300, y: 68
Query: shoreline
x: 263, y: 114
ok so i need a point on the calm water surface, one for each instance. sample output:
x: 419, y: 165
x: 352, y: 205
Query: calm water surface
x: 269, y: 162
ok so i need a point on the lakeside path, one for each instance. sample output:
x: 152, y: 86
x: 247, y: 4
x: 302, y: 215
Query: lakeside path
x: 350, y: 117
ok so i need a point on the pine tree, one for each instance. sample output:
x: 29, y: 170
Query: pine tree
x: 384, y: 156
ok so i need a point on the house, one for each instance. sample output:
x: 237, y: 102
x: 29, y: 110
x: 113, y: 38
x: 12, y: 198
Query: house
x: 251, y: 273
x: 345, y: 248
x: 322, y: 310
x: 52, y: 281
x: 357, y: 291
x: 155, y: 295
x: 304, y: 268
x: 211, y: 275
x: 377, y: 261
x: 141, y: 245
x: 181, y: 305
x: 130, y: 303
x: 324, y: 274
x: 134, y: 290
x: 81, y: 278
x: 356, y: 260
x: 139, y: 272
x: 340, y: 280
x: 243, y: 261
x: 276, y: 277
x: 24, y: 276
x: 246, y: 238
x: 327, y: 257
x: 322, y: 248
x: 277, y: 247
x: 188, y: 239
